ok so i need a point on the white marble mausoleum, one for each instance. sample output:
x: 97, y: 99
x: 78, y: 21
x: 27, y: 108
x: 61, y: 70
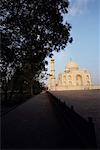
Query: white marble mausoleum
x: 73, y: 78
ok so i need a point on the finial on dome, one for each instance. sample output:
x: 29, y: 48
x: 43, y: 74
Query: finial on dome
x: 70, y: 58
x: 72, y: 65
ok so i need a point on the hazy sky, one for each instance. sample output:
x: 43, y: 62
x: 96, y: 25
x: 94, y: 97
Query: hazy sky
x: 84, y: 16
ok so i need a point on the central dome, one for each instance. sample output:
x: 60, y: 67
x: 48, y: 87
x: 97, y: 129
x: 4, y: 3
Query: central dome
x: 72, y: 65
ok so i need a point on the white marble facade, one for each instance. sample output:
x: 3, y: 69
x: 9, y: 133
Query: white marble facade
x: 73, y: 78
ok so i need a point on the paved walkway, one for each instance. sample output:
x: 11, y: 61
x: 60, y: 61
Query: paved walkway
x: 35, y: 124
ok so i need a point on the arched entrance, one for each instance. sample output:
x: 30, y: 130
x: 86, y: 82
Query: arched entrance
x: 79, y: 80
x: 88, y: 83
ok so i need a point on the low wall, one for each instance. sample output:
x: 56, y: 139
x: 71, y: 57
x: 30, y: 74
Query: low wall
x: 63, y: 88
x: 95, y: 87
x: 83, y: 129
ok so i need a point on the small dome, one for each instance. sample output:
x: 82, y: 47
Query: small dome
x: 72, y: 65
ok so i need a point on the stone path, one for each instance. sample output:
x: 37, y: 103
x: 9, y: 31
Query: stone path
x: 35, y: 124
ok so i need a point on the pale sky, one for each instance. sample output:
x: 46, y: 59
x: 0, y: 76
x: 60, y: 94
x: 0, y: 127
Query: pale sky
x: 84, y: 17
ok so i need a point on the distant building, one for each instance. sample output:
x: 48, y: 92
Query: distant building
x: 73, y: 78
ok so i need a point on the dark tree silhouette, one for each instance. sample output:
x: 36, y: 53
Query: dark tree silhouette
x: 30, y: 31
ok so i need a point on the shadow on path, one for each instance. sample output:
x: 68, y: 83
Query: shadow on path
x: 38, y: 124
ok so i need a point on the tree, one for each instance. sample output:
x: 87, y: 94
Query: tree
x: 30, y: 31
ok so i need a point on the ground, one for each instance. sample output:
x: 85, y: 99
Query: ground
x: 35, y: 124
x: 86, y: 103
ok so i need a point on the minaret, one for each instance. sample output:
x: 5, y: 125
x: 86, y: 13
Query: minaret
x: 52, y: 74
x: 52, y: 69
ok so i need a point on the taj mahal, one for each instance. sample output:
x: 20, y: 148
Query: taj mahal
x: 73, y: 78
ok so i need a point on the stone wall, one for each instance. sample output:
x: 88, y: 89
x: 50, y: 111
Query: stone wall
x: 63, y: 88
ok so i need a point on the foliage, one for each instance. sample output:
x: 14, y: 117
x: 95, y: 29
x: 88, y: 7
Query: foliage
x: 30, y: 31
